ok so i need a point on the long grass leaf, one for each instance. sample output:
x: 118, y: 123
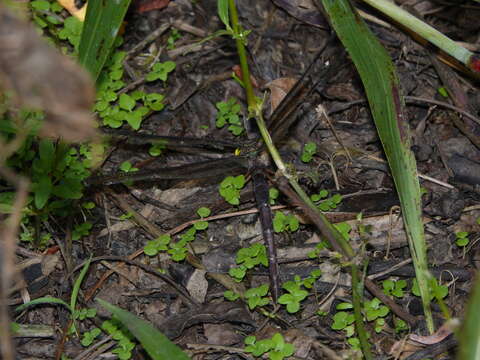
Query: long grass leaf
x: 102, y: 23
x: 157, y: 345
x: 78, y: 282
x: 43, y: 300
x: 387, y: 106
x: 469, y: 348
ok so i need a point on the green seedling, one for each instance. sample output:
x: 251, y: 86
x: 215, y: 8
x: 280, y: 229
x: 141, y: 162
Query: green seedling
x: 248, y: 258
x: 126, y: 216
x: 400, y: 325
x: 310, y: 280
x: 375, y: 311
x: 295, y: 295
x: 324, y: 203
x: 132, y: 107
x: 282, y: 222
x: 153, y: 247
x: 72, y: 30
x: 230, y: 295
x: 462, y: 238
x: 276, y: 347
x: 85, y: 313
x: 203, y: 212
x: 443, y: 92
x: 309, y: 150
x: 89, y: 336
x: 127, y: 167
x: 437, y: 290
x: 230, y: 188
x: 122, y: 336
x: 394, y: 288
x: 318, y: 249
x: 273, y: 194
x: 228, y: 113
x: 177, y: 250
x: 44, y: 13
x: 81, y: 230
x: 88, y: 205
x: 160, y: 71
x: 257, y: 296
x: 343, y: 320
x: 174, y: 36
x: 344, y: 228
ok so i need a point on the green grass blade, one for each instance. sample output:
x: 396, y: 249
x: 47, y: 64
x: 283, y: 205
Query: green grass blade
x: 157, y: 345
x: 43, y: 300
x: 78, y: 282
x: 469, y: 337
x: 386, y: 103
x: 102, y: 22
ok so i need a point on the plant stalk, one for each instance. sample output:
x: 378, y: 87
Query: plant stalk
x: 427, y: 32
x: 335, y: 238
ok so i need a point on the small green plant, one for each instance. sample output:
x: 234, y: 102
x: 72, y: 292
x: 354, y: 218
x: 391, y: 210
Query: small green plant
x: 462, y: 238
x: 174, y: 36
x: 437, y: 290
x: 43, y: 13
x: 230, y: 295
x: 257, y: 296
x: 85, y: 313
x: 72, y: 30
x: 394, y: 288
x: 127, y: 167
x: 276, y: 347
x: 400, y: 325
x: 310, y: 280
x: 324, y: 203
x: 376, y: 311
x: 160, y: 71
x: 248, y: 258
x: 177, y: 250
x: 309, y: 150
x: 318, y: 249
x: 116, y: 109
x: 228, y: 113
x: 125, y: 344
x: 273, y: 194
x: 295, y: 294
x: 282, y: 222
x: 230, y: 188
x: 203, y: 212
x: 344, y: 228
x: 81, y: 230
x: 344, y: 320
x: 89, y: 336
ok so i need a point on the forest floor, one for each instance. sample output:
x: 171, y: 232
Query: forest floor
x: 347, y: 159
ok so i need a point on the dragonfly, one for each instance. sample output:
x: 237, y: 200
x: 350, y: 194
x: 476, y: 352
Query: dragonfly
x: 247, y: 156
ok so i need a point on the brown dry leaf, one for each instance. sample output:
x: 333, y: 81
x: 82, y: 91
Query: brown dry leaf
x: 445, y: 330
x: 149, y: 5
x: 70, y: 6
x: 279, y: 88
x: 42, y: 78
